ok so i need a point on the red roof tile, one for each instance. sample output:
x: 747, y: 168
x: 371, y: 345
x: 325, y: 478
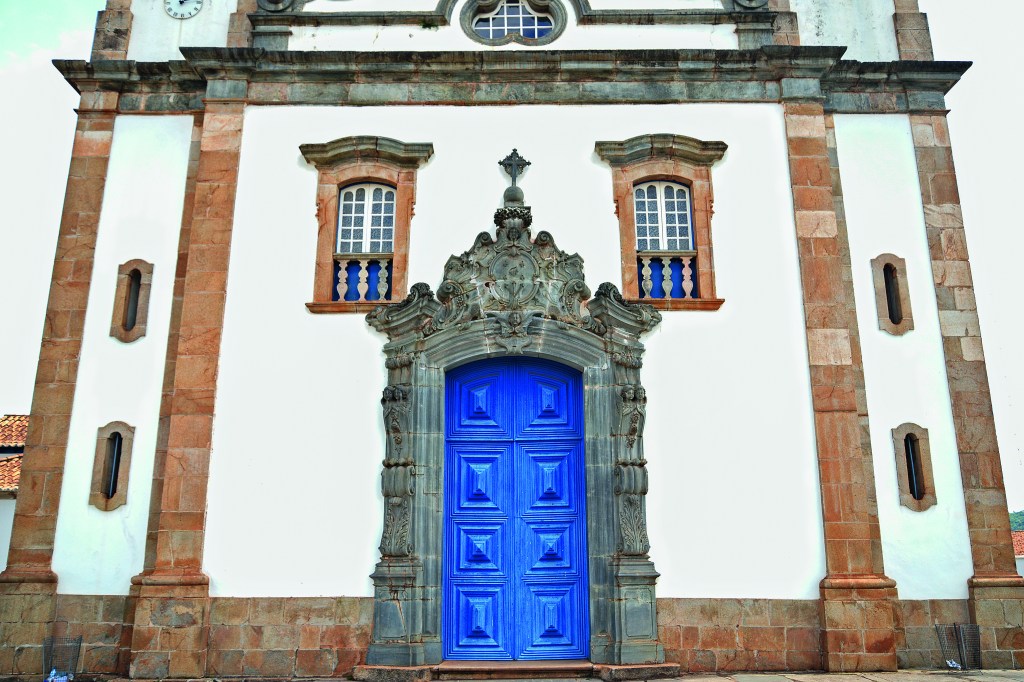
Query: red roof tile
x: 1018, y: 542
x: 10, y: 474
x: 13, y: 429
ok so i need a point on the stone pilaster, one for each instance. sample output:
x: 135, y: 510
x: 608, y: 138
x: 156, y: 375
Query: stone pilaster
x: 913, y: 38
x: 28, y: 585
x: 858, y: 613
x: 239, y: 28
x: 172, y: 616
x: 787, y: 24
x: 996, y: 590
x: 113, y: 31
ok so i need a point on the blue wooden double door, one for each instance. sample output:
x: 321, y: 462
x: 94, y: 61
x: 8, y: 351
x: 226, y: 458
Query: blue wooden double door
x: 515, y: 539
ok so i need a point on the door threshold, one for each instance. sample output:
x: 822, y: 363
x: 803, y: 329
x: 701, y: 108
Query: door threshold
x: 504, y: 670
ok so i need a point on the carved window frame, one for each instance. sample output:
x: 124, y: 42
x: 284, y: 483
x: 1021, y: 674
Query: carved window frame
x: 907, y: 500
x: 476, y: 8
x: 354, y: 160
x: 878, y: 266
x: 96, y: 496
x: 119, y: 317
x: 671, y: 158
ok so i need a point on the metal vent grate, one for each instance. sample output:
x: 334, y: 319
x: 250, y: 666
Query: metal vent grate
x: 961, y: 646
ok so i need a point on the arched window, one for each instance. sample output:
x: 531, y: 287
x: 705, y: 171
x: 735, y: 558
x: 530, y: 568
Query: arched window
x: 111, y: 466
x: 131, y: 306
x: 131, y: 300
x: 663, y: 199
x: 366, y: 221
x: 663, y: 218
x: 513, y: 16
x: 914, y: 467
x: 892, y: 299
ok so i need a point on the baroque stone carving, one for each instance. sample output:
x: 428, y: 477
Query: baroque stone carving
x: 633, y: 413
x: 397, y: 479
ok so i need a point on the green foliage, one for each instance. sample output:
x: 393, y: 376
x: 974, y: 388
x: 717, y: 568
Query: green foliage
x: 1017, y: 520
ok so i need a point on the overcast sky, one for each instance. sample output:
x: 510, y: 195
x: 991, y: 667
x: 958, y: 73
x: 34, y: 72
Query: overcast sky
x: 39, y: 120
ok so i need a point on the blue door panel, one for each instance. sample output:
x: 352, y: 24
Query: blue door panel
x: 515, y: 580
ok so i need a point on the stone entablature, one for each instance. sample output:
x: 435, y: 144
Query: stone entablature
x: 769, y: 74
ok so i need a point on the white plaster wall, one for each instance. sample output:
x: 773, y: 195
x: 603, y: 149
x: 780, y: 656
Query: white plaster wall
x: 156, y: 36
x: 926, y: 553
x: 452, y: 37
x: 6, y: 524
x: 98, y: 552
x: 865, y: 26
x: 298, y: 443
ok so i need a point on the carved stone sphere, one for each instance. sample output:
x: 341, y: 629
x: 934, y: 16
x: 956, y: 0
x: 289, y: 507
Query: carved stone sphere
x: 514, y: 195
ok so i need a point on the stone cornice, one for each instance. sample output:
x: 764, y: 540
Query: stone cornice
x: 367, y: 148
x: 767, y: 74
x: 661, y: 146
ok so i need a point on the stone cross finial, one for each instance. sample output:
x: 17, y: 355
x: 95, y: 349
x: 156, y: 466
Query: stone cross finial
x: 514, y: 165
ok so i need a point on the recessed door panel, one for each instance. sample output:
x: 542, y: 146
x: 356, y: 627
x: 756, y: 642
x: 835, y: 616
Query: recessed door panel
x: 515, y: 579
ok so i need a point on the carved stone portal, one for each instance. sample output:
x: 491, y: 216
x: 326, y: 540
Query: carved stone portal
x: 514, y: 294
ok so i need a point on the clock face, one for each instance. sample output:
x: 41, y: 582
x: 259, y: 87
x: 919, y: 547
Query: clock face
x: 183, y: 9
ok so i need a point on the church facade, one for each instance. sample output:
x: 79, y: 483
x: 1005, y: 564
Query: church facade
x: 417, y: 339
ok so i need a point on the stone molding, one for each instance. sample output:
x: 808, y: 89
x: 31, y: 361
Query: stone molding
x: 676, y: 158
x: 96, y: 496
x: 118, y: 318
x: 681, y: 148
x: 907, y: 500
x: 878, y: 266
x: 474, y: 8
x: 512, y: 294
x: 368, y: 149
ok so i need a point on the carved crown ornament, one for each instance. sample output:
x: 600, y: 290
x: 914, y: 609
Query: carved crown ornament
x: 510, y: 280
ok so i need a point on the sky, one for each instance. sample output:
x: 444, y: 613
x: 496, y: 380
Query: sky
x: 37, y: 134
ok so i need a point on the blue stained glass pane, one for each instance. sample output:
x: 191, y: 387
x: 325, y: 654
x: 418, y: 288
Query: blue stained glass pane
x: 513, y: 22
x: 641, y: 244
x: 529, y: 33
x: 541, y: 32
x: 670, y: 192
x: 346, y: 235
x: 357, y: 247
x: 542, y: 21
x: 390, y: 196
x: 387, y: 247
x: 347, y: 197
x: 639, y: 194
x: 652, y: 192
x: 360, y: 194
x: 670, y: 206
x: 378, y: 194
x: 389, y: 208
x: 375, y: 233
x: 357, y: 221
x: 641, y: 219
x: 389, y: 221
x: 375, y: 221
x: 529, y: 21
x: 673, y: 244
x: 670, y: 231
x: 346, y: 221
x: 653, y: 231
x: 670, y: 218
x: 346, y: 208
x: 513, y: 9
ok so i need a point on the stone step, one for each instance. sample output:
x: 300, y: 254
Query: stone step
x: 498, y: 671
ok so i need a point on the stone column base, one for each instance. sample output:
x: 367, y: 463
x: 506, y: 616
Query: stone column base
x: 171, y: 634
x: 859, y: 619
x: 996, y: 604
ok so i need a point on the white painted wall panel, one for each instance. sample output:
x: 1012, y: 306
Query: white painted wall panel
x: 429, y: 5
x: 865, y: 26
x: 926, y: 553
x: 298, y: 442
x: 453, y: 38
x: 156, y: 36
x: 98, y: 552
x: 6, y: 524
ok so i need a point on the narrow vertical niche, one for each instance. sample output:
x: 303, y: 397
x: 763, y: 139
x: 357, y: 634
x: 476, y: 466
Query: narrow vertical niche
x: 131, y: 301
x: 891, y: 294
x: 914, y: 467
x: 112, y: 466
